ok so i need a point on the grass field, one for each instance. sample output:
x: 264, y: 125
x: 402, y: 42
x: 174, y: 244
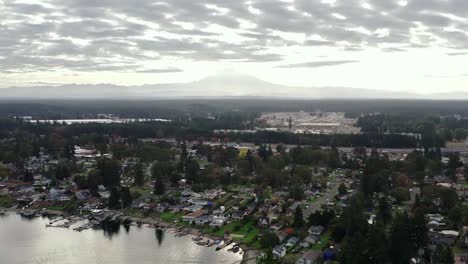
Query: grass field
x: 6, y: 201
x: 171, y: 217
x: 246, y: 233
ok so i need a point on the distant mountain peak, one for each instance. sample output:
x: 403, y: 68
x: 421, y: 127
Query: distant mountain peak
x: 232, y: 79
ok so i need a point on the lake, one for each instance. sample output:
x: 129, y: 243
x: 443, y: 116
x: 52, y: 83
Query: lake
x: 28, y: 241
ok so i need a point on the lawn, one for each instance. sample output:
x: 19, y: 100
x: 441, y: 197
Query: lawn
x: 246, y: 233
x: 6, y: 201
x: 170, y: 217
x: 324, y: 239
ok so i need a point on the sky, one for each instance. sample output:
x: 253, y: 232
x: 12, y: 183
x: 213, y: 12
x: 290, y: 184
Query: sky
x: 419, y: 46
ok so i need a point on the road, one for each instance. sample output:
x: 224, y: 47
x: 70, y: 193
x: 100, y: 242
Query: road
x: 327, y: 196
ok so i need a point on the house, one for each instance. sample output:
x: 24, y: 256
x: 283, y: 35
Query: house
x: 199, y: 202
x: 446, y: 238
x: 219, y: 220
x: 279, y: 251
x: 276, y: 227
x: 202, y: 220
x: 309, y: 241
x: 292, y: 242
x: 435, y: 217
x: 83, y: 195
x: 263, y: 221
x: 219, y: 210
x: 316, y: 230
x: 192, y: 216
x: 238, y: 215
x: 465, y: 233
x: 193, y: 208
x: 58, y: 195
x: 461, y: 258
x: 162, y: 207
x: 282, y: 235
x: 310, y: 257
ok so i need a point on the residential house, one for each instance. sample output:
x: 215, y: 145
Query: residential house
x: 193, y: 208
x: 202, y: 220
x: 192, y: 216
x: 219, y: 210
x: 461, y: 258
x: 292, y: 241
x: 309, y: 241
x: 238, y: 215
x: 279, y: 251
x: 310, y: 257
x: 316, y: 230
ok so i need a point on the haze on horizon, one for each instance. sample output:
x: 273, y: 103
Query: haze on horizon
x: 384, y: 46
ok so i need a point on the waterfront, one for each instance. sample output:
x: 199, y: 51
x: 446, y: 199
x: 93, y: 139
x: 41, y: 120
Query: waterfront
x: 28, y: 241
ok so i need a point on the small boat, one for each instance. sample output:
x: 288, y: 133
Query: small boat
x: 197, y: 238
x: 235, y: 249
x: 181, y: 234
x: 212, y: 243
x: 221, y: 245
x: 203, y: 243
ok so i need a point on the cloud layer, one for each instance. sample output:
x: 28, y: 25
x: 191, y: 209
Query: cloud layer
x: 129, y: 35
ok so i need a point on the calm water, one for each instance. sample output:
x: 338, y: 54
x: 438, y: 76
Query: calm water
x: 24, y: 241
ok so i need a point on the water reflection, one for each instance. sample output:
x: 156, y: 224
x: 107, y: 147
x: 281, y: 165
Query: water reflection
x: 126, y: 225
x: 159, y: 236
x: 110, y: 228
x: 30, y: 241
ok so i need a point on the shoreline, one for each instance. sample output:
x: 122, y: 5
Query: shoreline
x: 248, y: 254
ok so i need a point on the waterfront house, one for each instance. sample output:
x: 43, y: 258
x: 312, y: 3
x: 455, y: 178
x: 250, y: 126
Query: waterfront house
x: 219, y: 210
x: 217, y: 222
x: 192, y: 216
x: 193, y: 208
x: 202, y: 220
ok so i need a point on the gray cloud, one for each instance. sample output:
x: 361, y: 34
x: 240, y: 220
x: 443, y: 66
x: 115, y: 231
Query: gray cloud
x: 162, y: 70
x: 317, y: 64
x: 118, y: 35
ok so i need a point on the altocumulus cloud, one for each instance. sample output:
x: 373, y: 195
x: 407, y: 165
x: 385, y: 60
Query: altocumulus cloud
x: 126, y: 35
x: 317, y: 64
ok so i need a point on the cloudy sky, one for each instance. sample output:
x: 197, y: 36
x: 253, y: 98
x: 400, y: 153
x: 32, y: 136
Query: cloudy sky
x: 398, y: 45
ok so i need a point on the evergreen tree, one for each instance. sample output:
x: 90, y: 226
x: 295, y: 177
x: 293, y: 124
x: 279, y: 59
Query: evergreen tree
x: 269, y: 240
x: 442, y: 255
x: 298, y: 218
x: 125, y: 196
x: 420, y: 229
x: 385, y: 211
x: 183, y: 152
x: 139, y: 176
x: 353, y: 250
x: 376, y: 244
x: 159, y: 188
x: 266, y: 257
x: 402, y: 246
x: 28, y: 176
x: 114, y: 199
x: 342, y: 189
